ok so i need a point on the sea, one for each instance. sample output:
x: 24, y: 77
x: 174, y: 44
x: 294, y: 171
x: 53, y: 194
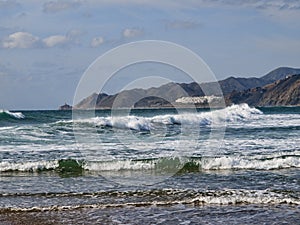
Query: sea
x: 236, y: 165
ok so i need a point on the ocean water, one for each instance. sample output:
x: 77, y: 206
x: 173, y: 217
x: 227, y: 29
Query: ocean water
x: 238, y: 165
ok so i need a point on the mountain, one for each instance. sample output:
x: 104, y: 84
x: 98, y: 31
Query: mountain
x: 166, y: 94
x: 152, y: 97
x: 88, y: 102
x: 280, y: 73
x: 239, y: 84
x: 284, y: 92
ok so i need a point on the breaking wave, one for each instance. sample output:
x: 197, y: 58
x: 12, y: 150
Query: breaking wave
x: 175, y: 164
x: 229, y: 114
x: 200, y: 164
x: 5, y: 114
x: 27, y: 166
x: 165, y: 197
x: 63, y: 165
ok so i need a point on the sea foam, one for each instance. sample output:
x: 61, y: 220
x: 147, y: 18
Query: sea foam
x: 173, y: 164
x: 239, y: 163
x: 229, y: 114
x: 15, y: 115
x: 28, y: 166
x: 164, y: 197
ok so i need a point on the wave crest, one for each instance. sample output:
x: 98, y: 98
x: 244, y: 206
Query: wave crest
x: 228, y: 114
x: 7, y: 114
x: 175, y: 164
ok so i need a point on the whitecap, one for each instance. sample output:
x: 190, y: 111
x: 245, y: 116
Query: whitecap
x: 16, y: 115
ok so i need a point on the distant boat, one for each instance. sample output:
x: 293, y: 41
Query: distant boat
x: 65, y: 107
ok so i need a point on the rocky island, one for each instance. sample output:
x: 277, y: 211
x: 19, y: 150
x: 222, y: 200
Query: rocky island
x: 65, y: 107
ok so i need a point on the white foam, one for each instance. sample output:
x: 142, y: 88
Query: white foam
x: 17, y: 115
x: 118, y: 165
x: 229, y: 163
x: 175, y: 197
x: 205, y: 163
x: 5, y: 128
x: 232, y: 113
x: 234, y: 197
x: 27, y: 166
x: 131, y: 122
x: 256, y: 162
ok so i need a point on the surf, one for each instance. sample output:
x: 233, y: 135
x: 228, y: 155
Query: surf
x: 164, y: 197
x: 176, y: 165
x: 232, y: 113
x: 5, y: 114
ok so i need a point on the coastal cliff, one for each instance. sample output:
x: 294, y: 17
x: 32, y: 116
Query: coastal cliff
x: 284, y: 92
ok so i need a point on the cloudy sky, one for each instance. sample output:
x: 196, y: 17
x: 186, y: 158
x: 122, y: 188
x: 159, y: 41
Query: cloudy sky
x: 45, y: 46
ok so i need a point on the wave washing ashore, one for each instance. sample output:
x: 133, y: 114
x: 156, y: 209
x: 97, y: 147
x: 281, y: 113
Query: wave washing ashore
x: 238, y: 165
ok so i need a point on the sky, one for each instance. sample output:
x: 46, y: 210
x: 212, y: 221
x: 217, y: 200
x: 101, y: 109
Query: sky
x: 45, y: 46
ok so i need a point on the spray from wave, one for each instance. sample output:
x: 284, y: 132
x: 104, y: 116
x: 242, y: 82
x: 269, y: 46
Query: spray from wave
x: 228, y: 114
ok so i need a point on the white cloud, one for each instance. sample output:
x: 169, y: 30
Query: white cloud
x: 57, y: 6
x: 20, y: 40
x: 55, y: 40
x: 132, y: 32
x: 27, y: 40
x: 97, y: 41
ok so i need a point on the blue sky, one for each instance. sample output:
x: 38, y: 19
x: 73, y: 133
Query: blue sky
x: 45, y: 46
